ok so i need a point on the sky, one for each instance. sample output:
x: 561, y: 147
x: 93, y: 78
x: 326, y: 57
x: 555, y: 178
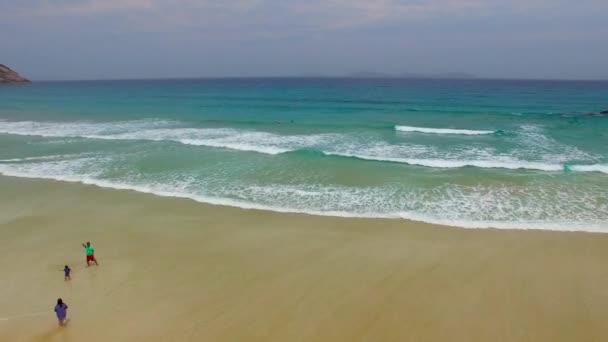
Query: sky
x: 118, y: 39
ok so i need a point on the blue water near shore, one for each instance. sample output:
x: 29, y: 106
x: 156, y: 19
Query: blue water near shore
x: 469, y: 153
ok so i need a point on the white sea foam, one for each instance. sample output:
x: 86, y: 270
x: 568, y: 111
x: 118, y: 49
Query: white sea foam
x: 260, y: 142
x: 486, y: 164
x: 28, y: 159
x: 529, y: 207
x: 78, y: 129
x: 590, y: 168
x: 441, y: 130
x: 534, y: 142
x: 534, y: 145
x: 428, y: 156
x: 229, y: 138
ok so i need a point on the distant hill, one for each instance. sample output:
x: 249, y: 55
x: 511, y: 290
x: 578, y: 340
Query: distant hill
x: 9, y: 76
x: 369, y: 74
x: 373, y: 74
x: 459, y: 75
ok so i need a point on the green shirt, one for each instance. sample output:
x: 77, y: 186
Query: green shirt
x: 89, y: 250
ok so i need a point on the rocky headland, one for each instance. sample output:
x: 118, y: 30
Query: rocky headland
x: 9, y: 76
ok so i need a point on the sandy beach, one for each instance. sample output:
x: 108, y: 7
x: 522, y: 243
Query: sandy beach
x: 177, y: 270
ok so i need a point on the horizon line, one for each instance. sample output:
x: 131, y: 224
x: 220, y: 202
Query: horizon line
x: 480, y: 78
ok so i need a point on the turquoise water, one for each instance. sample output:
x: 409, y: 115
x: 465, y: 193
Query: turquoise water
x: 470, y: 153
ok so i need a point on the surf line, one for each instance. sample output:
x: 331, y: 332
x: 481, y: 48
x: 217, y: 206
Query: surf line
x: 31, y: 314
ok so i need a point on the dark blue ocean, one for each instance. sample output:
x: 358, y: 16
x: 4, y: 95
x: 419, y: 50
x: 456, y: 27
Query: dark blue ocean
x: 470, y: 153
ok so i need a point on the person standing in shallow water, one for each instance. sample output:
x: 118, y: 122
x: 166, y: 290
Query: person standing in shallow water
x: 61, y: 310
x: 90, y: 253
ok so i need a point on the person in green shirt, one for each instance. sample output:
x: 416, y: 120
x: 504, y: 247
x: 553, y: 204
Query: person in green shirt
x: 90, y: 250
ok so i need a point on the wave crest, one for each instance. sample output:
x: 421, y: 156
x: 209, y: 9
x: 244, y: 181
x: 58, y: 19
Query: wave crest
x: 441, y: 130
x: 484, y: 164
x: 328, y: 144
x: 229, y: 138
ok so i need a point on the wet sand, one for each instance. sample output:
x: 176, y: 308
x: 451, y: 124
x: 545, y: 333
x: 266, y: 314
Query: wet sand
x: 177, y: 270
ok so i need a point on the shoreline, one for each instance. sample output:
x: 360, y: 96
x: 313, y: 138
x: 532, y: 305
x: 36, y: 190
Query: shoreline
x: 279, y: 210
x: 175, y: 269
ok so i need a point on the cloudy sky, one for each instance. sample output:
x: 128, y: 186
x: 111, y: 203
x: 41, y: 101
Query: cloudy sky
x: 91, y: 39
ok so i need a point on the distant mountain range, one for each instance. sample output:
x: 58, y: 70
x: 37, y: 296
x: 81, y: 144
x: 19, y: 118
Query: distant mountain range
x: 373, y: 74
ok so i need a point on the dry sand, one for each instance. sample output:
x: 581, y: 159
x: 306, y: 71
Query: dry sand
x: 177, y: 270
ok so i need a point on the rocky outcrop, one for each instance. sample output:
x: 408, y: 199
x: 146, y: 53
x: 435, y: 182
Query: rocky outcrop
x: 9, y: 76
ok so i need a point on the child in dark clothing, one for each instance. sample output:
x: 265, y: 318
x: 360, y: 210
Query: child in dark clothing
x: 67, y: 270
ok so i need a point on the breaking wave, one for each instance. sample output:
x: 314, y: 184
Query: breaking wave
x: 453, y: 205
x: 328, y: 144
x: 441, y: 130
